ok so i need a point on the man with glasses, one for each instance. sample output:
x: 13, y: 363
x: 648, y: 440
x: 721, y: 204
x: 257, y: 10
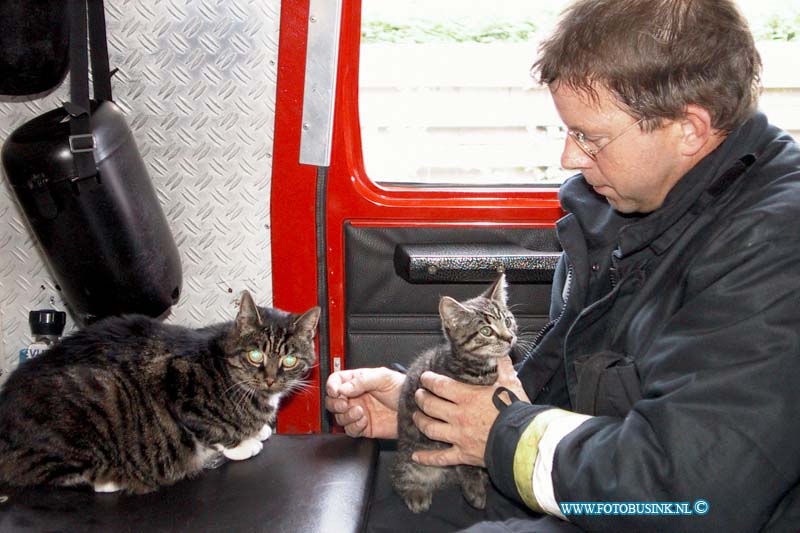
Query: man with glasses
x: 670, y: 373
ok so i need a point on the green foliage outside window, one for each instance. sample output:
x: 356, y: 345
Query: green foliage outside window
x: 427, y: 31
x: 780, y: 28
x: 775, y: 27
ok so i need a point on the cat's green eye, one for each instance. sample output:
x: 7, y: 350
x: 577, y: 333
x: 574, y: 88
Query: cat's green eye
x: 508, y: 322
x: 486, y: 331
x: 256, y: 357
x: 290, y: 361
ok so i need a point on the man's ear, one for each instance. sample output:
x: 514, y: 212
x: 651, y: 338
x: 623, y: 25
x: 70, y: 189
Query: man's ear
x: 696, y: 130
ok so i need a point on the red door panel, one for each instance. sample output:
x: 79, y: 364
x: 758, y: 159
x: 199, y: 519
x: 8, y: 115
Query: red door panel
x: 352, y: 197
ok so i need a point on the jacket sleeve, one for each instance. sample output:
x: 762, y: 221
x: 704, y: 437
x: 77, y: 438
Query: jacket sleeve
x: 513, y: 450
x: 720, y: 416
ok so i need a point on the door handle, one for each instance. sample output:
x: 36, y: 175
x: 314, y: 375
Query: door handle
x: 473, y: 263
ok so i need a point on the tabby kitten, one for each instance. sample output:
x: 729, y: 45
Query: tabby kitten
x: 478, y: 333
x: 132, y: 404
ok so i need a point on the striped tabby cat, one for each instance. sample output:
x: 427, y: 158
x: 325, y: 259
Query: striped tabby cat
x: 131, y: 404
x: 478, y: 332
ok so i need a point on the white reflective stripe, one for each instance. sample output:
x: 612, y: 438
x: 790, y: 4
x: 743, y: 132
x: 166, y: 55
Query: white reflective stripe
x: 543, y: 471
x: 567, y: 287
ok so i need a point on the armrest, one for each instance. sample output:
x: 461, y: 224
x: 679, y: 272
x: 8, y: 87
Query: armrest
x: 473, y: 263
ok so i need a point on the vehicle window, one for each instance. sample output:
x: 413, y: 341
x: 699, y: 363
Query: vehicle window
x: 446, y: 97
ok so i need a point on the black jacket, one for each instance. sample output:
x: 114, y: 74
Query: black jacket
x: 681, y: 330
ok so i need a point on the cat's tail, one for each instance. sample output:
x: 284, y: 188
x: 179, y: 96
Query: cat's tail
x: 5, y: 467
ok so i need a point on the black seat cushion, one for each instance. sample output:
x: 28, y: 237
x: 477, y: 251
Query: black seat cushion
x: 297, y: 483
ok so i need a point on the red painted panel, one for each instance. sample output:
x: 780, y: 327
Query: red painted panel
x: 352, y: 196
x: 294, y: 262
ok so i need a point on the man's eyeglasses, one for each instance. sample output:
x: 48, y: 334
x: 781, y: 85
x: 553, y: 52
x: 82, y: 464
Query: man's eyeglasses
x: 591, y: 149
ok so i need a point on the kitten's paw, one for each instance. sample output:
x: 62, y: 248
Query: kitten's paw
x: 265, y: 433
x: 473, y: 485
x: 477, y: 499
x: 245, y: 450
x: 108, y: 486
x: 418, y: 502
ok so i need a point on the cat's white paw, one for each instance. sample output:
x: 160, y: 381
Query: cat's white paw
x: 265, y: 433
x: 109, y: 486
x: 245, y: 450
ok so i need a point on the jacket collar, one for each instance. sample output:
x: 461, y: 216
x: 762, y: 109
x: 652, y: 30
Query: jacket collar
x: 601, y: 224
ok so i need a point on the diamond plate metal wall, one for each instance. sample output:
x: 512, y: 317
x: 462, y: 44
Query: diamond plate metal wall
x: 197, y: 83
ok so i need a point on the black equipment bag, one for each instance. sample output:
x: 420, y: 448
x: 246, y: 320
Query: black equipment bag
x: 86, y: 193
x: 34, y: 46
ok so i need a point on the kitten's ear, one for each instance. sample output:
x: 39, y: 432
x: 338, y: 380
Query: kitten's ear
x: 248, y: 318
x: 497, y: 291
x: 307, y: 322
x: 452, y: 312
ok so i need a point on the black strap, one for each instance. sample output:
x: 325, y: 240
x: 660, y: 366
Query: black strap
x: 101, y: 74
x: 500, y: 404
x: 81, y: 140
x: 78, y: 62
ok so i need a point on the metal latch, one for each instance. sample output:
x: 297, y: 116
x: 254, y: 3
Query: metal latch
x: 81, y: 143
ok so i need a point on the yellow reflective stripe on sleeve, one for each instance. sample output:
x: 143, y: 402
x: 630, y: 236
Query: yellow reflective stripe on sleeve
x: 527, y: 451
x: 543, y: 471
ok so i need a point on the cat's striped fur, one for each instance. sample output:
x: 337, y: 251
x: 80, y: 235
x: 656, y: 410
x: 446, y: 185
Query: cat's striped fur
x: 478, y: 332
x: 131, y: 403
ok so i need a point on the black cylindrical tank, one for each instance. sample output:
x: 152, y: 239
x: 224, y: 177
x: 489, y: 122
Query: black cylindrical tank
x: 105, y: 238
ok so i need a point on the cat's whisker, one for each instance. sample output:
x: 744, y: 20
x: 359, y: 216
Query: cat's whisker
x: 249, y: 397
x: 238, y: 383
x: 246, y: 397
x: 305, y: 387
x: 241, y: 399
x: 240, y: 395
x: 300, y: 386
x: 238, y: 398
x: 302, y: 389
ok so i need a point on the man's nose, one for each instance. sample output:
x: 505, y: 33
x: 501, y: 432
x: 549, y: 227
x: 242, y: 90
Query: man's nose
x: 572, y: 157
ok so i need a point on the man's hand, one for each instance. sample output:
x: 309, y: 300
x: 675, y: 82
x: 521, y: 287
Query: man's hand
x: 364, y: 401
x: 461, y: 415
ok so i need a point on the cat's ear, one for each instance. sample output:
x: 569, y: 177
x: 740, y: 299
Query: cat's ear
x: 497, y: 291
x: 453, y: 313
x: 307, y: 322
x: 248, y: 318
